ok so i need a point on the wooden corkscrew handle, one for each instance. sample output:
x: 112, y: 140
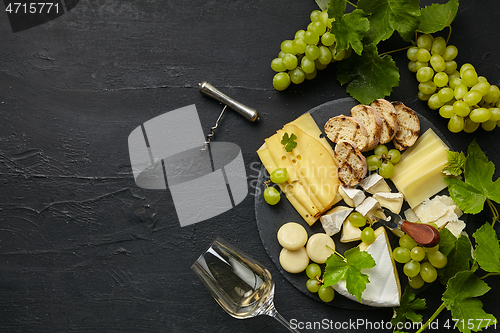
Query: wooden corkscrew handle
x: 424, y: 234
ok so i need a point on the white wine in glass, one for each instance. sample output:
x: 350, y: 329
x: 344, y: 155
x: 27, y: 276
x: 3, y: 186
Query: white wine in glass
x: 240, y: 284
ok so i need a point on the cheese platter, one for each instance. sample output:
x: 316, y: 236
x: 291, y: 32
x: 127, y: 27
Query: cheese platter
x: 384, y: 290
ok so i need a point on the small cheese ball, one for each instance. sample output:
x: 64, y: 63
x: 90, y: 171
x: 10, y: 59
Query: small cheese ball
x: 292, y: 236
x: 319, y: 247
x: 294, y: 261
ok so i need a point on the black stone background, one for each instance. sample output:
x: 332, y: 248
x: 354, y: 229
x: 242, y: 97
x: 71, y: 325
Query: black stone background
x: 82, y: 248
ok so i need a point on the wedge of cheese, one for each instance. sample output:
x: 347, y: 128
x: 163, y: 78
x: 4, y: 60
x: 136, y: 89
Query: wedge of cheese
x: 333, y: 219
x: 418, y: 175
x: 391, y: 201
x: 384, y: 288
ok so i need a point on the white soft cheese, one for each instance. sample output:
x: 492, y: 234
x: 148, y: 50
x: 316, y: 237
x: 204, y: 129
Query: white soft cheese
x: 374, y: 183
x: 352, y: 196
x: 391, y: 201
x: 333, y: 219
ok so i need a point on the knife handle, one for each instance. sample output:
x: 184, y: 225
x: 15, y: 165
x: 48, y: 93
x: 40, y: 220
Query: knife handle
x: 424, y: 234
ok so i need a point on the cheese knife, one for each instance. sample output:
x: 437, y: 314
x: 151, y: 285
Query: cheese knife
x: 424, y: 234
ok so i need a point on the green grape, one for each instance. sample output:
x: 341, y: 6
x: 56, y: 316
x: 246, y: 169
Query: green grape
x: 313, y: 285
x: 466, y: 66
x: 489, y: 125
x: 307, y: 65
x: 368, y: 235
x: 431, y: 249
x: 324, y: 17
x: 417, y: 253
x: 493, y: 95
x: 407, y: 242
x: 325, y: 56
x: 440, y: 79
x: 394, y: 155
x: 420, y: 64
x: 425, y: 41
x: 271, y: 195
x: 297, y: 75
x: 401, y: 255
x: 494, y: 114
x: 416, y: 282
x: 423, y: 97
x: 446, y: 94
x: 434, y: 102
x: 315, y: 14
x: 281, y: 54
x: 472, y: 97
x: 423, y: 55
x: 446, y: 111
x: 326, y: 294
x: 454, y: 75
x: 412, y: 66
x: 338, y: 56
x: 469, y: 76
x: 450, y: 67
x: 461, y: 108
x: 381, y: 150
x: 482, y: 79
x: 438, y: 46
x: 287, y: 46
x: 386, y: 170
x: 311, y: 37
x: 450, y: 53
x: 428, y: 87
x: 319, y: 65
x: 348, y: 53
x: 428, y: 272
x: 327, y: 39
x: 279, y: 175
x: 470, y: 126
x: 411, y: 53
x: 438, y: 259
x: 357, y: 219
x: 312, y: 52
x: 290, y: 61
x: 299, y: 45
x: 281, y: 81
x: 310, y: 76
x: 437, y: 63
x: 319, y: 27
x: 482, y: 87
x: 373, y: 162
x: 411, y: 268
x: 313, y: 271
x: 425, y: 74
x: 460, y: 91
x: 456, y: 124
x: 277, y: 65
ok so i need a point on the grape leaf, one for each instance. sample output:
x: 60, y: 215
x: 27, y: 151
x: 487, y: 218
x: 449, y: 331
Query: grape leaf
x: 478, y: 186
x: 322, y: 4
x: 456, y: 163
x: 349, y: 269
x: 459, y: 298
x: 289, y: 141
x: 350, y: 30
x: 336, y: 9
x: 436, y: 17
x: 487, y: 248
x: 368, y: 76
x: 407, y: 308
x: 458, y: 252
x: 389, y: 15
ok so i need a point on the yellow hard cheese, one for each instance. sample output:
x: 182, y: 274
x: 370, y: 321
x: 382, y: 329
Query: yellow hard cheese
x: 418, y: 176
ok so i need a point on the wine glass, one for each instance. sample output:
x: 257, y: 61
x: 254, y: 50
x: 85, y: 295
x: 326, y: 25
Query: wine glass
x: 240, y: 284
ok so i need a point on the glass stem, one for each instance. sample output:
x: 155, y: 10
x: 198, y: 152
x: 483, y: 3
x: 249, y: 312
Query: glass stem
x: 273, y: 313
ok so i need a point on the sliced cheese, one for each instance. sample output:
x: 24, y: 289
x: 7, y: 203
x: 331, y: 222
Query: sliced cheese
x: 350, y: 233
x: 309, y: 126
x: 333, y: 219
x: 279, y: 155
x: 456, y: 227
x: 384, y: 288
x: 352, y: 196
x: 391, y: 201
x: 374, y: 183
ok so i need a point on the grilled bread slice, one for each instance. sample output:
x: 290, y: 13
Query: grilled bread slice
x: 408, y: 126
x: 347, y: 128
x: 370, y: 118
x: 389, y: 119
x: 351, y: 163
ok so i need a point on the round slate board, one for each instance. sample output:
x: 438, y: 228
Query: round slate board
x: 271, y: 218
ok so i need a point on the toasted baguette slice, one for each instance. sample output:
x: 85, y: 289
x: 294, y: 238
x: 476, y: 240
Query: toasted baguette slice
x: 408, y: 126
x: 371, y: 121
x: 389, y: 119
x: 351, y: 163
x: 346, y: 128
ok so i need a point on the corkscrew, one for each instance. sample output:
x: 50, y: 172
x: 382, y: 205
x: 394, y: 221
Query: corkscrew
x: 248, y: 113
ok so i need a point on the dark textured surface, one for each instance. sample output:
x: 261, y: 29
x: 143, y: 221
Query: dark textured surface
x: 82, y: 248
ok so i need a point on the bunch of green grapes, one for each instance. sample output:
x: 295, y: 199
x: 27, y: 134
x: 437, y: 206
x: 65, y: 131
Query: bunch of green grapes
x: 311, y: 50
x: 383, y: 159
x: 315, y: 283
x: 420, y: 263
x: 463, y: 97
